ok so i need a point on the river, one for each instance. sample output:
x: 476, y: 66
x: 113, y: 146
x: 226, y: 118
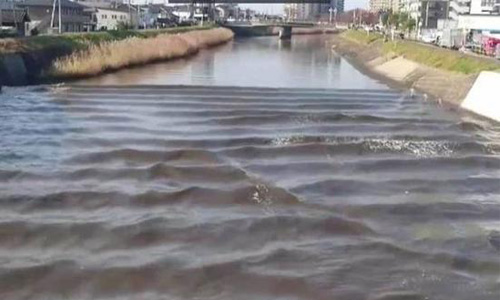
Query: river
x: 260, y: 169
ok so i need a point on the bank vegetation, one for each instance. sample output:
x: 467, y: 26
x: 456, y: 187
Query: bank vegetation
x: 114, y: 55
x: 30, y: 60
x: 78, y: 41
x: 429, y: 55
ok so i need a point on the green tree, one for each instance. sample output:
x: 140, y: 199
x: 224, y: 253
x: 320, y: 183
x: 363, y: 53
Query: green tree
x: 393, y: 19
x: 385, y: 19
x: 411, y: 25
x: 403, y: 20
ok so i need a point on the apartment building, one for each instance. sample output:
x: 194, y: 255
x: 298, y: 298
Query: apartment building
x: 384, y: 5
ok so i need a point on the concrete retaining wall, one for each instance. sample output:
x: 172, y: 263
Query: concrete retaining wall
x: 13, y: 70
x: 475, y: 93
x: 483, y: 98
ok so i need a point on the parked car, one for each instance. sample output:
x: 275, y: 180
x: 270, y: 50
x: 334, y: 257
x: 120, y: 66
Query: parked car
x: 430, y: 39
x: 491, y: 46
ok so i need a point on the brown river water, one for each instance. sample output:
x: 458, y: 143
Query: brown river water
x: 256, y: 170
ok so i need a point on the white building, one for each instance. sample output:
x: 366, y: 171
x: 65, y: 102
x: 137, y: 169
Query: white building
x: 384, y: 5
x: 479, y: 22
x: 458, y: 7
x: 484, y: 7
x: 302, y: 11
x: 412, y: 7
x: 110, y: 18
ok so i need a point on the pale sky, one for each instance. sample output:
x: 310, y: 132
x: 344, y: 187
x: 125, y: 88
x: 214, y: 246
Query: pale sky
x: 278, y: 8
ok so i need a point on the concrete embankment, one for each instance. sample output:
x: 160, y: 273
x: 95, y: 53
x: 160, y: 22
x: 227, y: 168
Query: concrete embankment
x: 43, y: 58
x: 459, y: 80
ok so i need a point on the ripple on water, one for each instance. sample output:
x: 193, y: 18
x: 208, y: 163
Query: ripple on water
x: 178, y: 192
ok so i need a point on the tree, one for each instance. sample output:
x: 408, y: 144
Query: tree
x: 403, y: 20
x: 393, y: 19
x: 385, y: 19
x: 411, y: 24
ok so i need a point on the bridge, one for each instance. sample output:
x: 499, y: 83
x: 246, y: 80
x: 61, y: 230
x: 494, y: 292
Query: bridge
x: 248, y: 1
x: 265, y: 28
x: 250, y: 29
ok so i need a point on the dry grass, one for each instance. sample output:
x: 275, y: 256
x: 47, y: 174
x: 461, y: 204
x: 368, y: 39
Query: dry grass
x: 136, y: 51
x: 10, y: 45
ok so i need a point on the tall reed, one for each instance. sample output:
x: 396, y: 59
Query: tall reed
x: 115, y: 55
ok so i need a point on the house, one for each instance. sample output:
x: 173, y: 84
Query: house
x: 157, y: 16
x: 227, y: 11
x: 73, y: 17
x: 107, y: 18
x: 96, y: 3
x: 13, y: 21
x: 183, y: 12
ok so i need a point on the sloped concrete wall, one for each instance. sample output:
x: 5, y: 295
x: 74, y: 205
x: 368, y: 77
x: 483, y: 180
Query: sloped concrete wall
x: 484, y: 97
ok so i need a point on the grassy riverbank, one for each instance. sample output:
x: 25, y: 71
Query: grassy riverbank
x: 114, y: 55
x: 38, y: 59
x: 428, y: 55
x: 78, y: 41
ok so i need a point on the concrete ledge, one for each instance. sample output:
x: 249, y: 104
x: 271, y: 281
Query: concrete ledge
x: 397, y: 69
x: 483, y: 98
x: 448, y: 88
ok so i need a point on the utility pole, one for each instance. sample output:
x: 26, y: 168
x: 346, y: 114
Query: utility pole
x: 60, y: 18
x: 335, y: 16
x: 202, y: 12
x: 129, y: 15
x: 53, y: 15
x: 427, y: 15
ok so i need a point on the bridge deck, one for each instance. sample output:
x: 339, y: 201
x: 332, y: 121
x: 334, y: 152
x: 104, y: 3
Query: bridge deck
x: 250, y: 1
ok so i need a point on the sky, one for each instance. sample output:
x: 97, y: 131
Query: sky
x: 278, y: 8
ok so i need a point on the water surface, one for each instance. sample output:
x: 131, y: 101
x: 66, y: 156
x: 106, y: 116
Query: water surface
x: 311, y: 182
x: 306, y: 61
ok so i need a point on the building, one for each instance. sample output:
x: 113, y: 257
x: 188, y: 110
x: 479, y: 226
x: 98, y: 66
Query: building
x: 480, y: 7
x: 73, y: 17
x: 473, y: 7
x: 411, y: 7
x: 431, y: 11
x: 337, y: 5
x: 384, y: 5
x: 458, y: 7
x: 13, y: 21
x: 303, y: 11
x: 313, y: 11
x: 479, y: 22
x: 107, y: 18
x: 340, y: 5
x: 156, y: 16
x: 227, y: 11
x: 96, y: 3
x: 296, y: 11
x: 426, y: 13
